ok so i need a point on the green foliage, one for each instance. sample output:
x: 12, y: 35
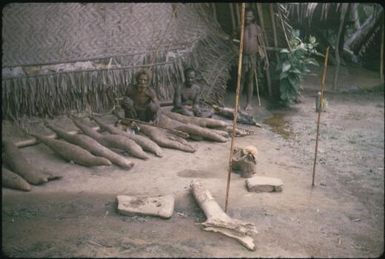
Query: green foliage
x: 294, y: 65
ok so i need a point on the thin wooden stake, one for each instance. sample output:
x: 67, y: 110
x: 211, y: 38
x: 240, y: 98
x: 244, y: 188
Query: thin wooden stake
x: 319, y: 111
x: 237, y: 14
x: 382, y: 54
x: 232, y: 17
x: 284, y: 30
x: 214, y: 11
x: 236, y: 102
x: 337, y: 46
x: 265, y: 39
x: 271, y: 9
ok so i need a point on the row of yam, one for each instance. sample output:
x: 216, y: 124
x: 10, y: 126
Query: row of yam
x: 93, y: 148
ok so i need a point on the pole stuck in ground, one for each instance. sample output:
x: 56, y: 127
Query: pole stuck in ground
x: 320, y: 110
x: 236, y: 102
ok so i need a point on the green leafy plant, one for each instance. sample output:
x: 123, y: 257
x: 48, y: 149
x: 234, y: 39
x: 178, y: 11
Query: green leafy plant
x: 293, y: 65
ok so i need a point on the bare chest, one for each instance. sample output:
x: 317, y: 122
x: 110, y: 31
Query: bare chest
x: 189, y: 94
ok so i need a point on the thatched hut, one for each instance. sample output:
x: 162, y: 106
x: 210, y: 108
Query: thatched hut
x: 61, y: 57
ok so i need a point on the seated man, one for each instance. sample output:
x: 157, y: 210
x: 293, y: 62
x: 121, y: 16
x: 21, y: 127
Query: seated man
x: 188, y: 94
x: 140, y: 101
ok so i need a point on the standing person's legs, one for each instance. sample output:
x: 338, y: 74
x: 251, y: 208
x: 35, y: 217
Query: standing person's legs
x: 244, y: 79
x: 250, y: 82
x: 250, y: 90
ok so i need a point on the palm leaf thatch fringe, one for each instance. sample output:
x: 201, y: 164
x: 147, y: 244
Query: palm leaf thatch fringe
x: 96, y: 90
x: 59, y: 93
x: 362, y: 39
x: 305, y: 12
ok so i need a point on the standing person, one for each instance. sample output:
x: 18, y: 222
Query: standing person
x: 252, y: 49
x: 140, y: 101
x: 189, y: 94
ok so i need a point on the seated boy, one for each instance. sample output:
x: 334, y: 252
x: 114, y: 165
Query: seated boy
x: 188, y: 94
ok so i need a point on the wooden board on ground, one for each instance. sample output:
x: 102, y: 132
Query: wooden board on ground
x: 162, y: 206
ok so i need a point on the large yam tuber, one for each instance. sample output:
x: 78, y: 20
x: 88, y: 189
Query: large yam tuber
x: 192, y: 129
x: 71, y: 152
x: 242, y: 117
x: 165, y: 140
x: 202, y: 122
x: 113, y: 141
x: 93, y: 146
x: 11, y: 180
x: 146, y: 143
x: 17, y: 162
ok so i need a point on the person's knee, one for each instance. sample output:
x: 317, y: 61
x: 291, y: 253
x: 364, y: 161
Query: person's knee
x: 153, y: 107
x: 127, y: 103
x: 185, y: 111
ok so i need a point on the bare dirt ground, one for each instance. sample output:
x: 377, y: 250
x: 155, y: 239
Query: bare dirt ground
x: 342, y: 216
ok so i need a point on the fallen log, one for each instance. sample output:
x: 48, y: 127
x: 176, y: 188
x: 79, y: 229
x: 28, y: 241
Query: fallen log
x: 202, y: 122
x: 12, y: 180
x: 17, y: 162
x: 112, y: 141
x: 146, y: 143
x: 218, y: 221
x: 71, y: 152
x: 191, y: 129
x: 164, y: 139
x: 92, y: 146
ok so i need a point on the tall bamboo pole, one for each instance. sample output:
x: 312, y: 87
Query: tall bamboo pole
x: 337, y: 48
x: 382, y: 54
x: 237, y: 14
x: 284, y: 30
x: 274, y: 29
x: 214, y: 11
x: 320, y: 110
x: 236, y: 102
x: 232, y: 17
x: 262, y: 23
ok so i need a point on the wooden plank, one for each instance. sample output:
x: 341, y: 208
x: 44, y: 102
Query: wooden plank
x: 162, y: 206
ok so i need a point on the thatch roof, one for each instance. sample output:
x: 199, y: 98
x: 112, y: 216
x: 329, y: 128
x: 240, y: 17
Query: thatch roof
x: 59, y: 57
x: 316, y: 16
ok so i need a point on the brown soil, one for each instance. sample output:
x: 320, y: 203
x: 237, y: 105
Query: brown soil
x: 342, y: 216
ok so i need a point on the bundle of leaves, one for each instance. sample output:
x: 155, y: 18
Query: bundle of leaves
x: 293, y: 65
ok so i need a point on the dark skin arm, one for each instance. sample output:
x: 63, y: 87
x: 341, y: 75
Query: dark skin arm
x: 196, y: 100
x: 177, y: 102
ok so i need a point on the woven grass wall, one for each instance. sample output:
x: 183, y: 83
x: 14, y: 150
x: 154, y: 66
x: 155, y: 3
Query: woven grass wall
x: 60, y: 57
